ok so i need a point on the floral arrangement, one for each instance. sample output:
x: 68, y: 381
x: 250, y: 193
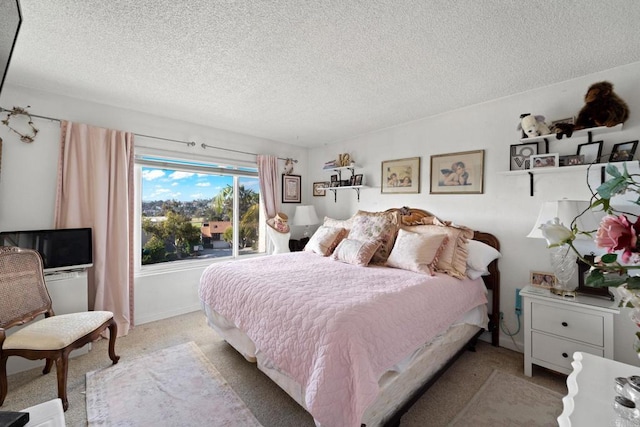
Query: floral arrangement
x: 617, y: 232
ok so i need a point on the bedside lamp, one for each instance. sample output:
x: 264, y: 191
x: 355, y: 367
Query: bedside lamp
x: 563, y: 258
x: 305, y: 215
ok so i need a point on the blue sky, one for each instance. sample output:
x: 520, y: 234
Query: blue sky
x: 165, y: 184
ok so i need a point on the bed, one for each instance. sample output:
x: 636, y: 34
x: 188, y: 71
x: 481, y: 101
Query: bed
x: 354, y: 344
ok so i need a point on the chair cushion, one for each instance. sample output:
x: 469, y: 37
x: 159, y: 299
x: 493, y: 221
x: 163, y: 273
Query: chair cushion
x: 56, y: 332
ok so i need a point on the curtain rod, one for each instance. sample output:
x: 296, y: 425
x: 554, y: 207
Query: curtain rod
x: 188, y: 143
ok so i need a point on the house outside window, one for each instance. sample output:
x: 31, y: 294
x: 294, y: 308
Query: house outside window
x: 188, y: 211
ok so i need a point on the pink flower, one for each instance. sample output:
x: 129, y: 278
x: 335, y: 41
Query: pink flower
x: 617, y: 233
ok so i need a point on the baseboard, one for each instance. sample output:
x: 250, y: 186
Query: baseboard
x: 141, y: 320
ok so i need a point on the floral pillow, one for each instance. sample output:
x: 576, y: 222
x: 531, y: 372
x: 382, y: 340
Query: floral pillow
x: 376, y: 227
x: 417, y: 252
x: 340, y: 223
x: 325, y: 240
x: 453, y: 259
x: 355, y: 252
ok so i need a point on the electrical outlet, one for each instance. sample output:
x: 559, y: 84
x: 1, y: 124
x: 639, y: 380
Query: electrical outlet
x: 518, y: 302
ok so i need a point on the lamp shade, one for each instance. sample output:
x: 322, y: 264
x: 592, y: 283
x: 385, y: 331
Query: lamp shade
x: 566, y: 211
x: 305, y: 215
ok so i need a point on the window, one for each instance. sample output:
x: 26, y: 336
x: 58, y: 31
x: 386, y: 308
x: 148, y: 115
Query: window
x: 191, y: 210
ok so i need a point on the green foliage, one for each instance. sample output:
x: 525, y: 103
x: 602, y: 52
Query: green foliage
x: 153, y: 251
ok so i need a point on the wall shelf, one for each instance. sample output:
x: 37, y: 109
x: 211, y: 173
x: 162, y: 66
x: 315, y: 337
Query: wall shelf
x: 546, y: 171
x: 339, y: 170
x: 589, y: 133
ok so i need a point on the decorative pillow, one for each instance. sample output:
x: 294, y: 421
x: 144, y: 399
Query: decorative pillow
x: 416, y: 252
x: 355, y: 252
x: 480, y: 256
x: 453, y: 259
x: 376, y: 226
x: 325, y: 240
x: 339, y: 223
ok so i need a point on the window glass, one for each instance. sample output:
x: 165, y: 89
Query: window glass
x: 188, y: 208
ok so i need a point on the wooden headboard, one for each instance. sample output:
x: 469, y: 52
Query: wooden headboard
x: 413, y: 216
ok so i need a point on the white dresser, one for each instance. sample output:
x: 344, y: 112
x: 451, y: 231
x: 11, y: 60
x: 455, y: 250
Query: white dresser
x: 589, y: 400
x: 556, y: 327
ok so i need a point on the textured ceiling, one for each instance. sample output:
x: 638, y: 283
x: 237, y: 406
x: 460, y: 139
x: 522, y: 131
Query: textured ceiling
x: 313, y: 72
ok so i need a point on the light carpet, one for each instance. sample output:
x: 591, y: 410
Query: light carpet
x: 506, y: 400
x: 174, y: 386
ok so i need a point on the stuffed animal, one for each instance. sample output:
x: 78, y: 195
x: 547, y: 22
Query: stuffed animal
x: 532, y: 126
x: 602, y: 107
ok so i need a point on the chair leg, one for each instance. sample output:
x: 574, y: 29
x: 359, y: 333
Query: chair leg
x: 3, y: 379
x: 62, y: 366
x: 47, y: 367
x: 113, y: 333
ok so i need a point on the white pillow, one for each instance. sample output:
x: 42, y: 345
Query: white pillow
x: 480, y: 256
x: 474, y: 274
x: 416, y: 252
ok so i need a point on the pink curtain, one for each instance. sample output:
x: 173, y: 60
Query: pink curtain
x: 269, y: 184
x: 95, y: 189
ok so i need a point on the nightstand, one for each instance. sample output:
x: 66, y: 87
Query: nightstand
x: 298, y: 245
x: 556, y: 327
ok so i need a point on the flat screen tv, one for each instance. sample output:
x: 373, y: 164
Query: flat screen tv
x: 10, y: 21
x: 63, y: 249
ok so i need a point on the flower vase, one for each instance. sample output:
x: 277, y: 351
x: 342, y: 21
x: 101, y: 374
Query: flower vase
x: 563, y: 261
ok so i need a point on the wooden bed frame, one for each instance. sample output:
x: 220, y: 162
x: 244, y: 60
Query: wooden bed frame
x: 413, y: 216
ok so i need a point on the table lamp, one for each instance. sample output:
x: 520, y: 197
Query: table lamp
x: 563, y: 258
x: 305, y: 215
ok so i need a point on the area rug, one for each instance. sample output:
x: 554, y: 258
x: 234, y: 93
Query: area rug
x: 506, y: 400
x: 176, y: 386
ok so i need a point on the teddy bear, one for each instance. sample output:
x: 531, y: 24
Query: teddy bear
x: 602, y: 107
x: 532, y: 126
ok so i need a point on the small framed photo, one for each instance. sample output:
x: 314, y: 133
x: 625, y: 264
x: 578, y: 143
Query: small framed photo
x: 521, y: 154
x: 623, y: 152
x: 592, y: 151
x: 545, y: 161
x: 291, y: 189
x: 335, y: 183
x: 457, y: 173
x: 319, y: 188
x: 357, y: 179
x: 334, y: 178
x: 542, y: 279
x: 401, y: 176
x: 571, y: 160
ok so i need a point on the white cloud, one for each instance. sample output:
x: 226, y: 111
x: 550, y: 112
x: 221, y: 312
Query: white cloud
x: 181, y: 175
x: 203, y: 184
x: 151, y: 174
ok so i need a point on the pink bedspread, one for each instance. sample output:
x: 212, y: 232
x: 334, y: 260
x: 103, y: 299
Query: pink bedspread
x: 333, y: 327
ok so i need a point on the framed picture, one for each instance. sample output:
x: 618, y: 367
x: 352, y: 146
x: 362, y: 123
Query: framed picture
x: 457, y: 173
x: 571, y: 160
x: 520, y: 155
x: 592, y: 151
x: 542, y: 279
x: 357, y: 179
x: 319, y: 188
x: 291, y: 189
x: 335, y: 183
x: 401, y: 176
x: 334, y: 178
x: 623, y: 152
x: 545, y: 161
x: 583, y: 271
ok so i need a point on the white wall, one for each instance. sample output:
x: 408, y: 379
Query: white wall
x: 505, y: 209
x: 28, y: 177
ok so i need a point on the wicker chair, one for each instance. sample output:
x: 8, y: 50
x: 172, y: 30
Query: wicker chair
x: 23, y: 297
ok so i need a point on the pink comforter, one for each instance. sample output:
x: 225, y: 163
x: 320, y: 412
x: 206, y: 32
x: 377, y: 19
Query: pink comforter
x: 333, y: 327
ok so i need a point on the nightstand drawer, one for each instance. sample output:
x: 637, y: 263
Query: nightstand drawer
x: 558, y: 320
x: 557, y: 350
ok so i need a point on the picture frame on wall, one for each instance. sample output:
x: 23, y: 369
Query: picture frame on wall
x: 291, y: 185
x: 319, y: 188
x: 457, y: 173
x: 545, y: 161
x: 400, y: 176
x: 571, y: 160
x: 357, y: 179
x: 623, y: 152
x: 521, y: 154
x: 592, y: 151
